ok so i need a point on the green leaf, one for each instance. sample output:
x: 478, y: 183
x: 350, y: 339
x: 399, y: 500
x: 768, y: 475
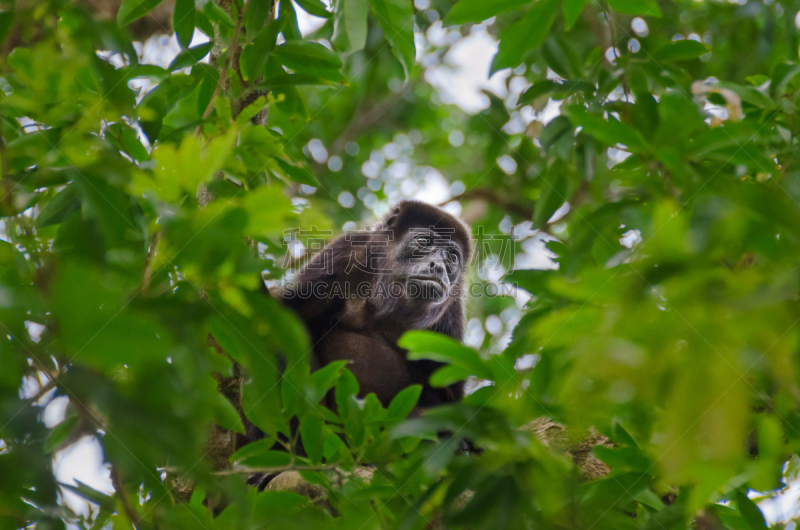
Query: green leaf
x: 609, y: 131
x: 251, y: 110
x: 131, y: 10
x: 258, y: 447
x: 349, y: 25
x: 6, y: 22
x: 346, y: 387
x: 288, y: 17
x: 59, y: 207
x: 299, y: 174
x: 144, y: 70
x: 268, y: 503
x: 309, y: 58
x: 645, y: 111
x: 60, y: 433
x: 267, y: 459
x: 324, y: 378
x: 623, y: 459
x: 760, y: 79
x: 314, y: 7
x: 447, y: 375
x: 572, y: 10
x: 218, y: 15
x: 562, y: 58
x: 225, y: 415
x: 480, y: 10
x: 256, y: 53
x: 313, y: 437
x: 538, y: 89
x: 125, y: 139
x: 750, y: 512
x: 681, y: 50
x: 267, y: 210
x: 183, y: 21
x: 190, y: 56
x: 524, y: 35
x: 404, y: 402
x: 258, y: 12
x: 559, y: 90
x: 558, y: 128
x: 209, y: 76
x: 782, y: 75
x: 636, y: 7
x: 396, y: 18
x: 438, y: 347
x: 554, y: 193
x: 90, y: 494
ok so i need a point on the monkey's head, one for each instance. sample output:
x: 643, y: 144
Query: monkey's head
x: 424, y: 262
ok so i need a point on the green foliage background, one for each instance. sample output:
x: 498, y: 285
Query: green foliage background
x: 683, y: 349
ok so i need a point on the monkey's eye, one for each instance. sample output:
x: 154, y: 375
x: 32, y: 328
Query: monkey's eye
x: 425, y: 241
x: 453, y: 257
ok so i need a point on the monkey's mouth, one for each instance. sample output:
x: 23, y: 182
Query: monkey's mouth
x: 426, y: 288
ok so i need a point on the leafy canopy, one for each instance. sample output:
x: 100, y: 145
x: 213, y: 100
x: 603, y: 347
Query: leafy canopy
x: 637, y: 180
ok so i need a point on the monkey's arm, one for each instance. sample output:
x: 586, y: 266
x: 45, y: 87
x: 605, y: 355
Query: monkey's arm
x: 319, y: 288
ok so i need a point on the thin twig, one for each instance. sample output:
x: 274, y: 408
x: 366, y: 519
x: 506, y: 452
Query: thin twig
x: 280, y: 469
x: 494, y: 198
x: 130, y: 511
x: 148, y: 262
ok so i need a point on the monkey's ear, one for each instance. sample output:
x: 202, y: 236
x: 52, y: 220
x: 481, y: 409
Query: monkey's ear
x: 391, y: 220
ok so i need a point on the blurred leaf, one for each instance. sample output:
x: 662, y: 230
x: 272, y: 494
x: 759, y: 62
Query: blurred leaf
x: 131, y: 10
x: 563, y: 60
x: 636, y: 7
x: 90, y: 494
x: 524, y: 35
x: 309, y: 58
x: 218, y: 15
x: 396, y: 18
x: 478, y: 11
x: 59, y: 207
x: 314, y: 7
x: 681, y: 50
x: 404, y: 402
x: 349, y: 25
x: 60, y: 433
x: 256, y: 53
x: 609, y: 131
x: 298, y: 173
x: 183, y: 21
x: 750, y: 512
x: 437, y: 347
x: 256, y: 18
x: 124, y: 138
x: 190, y: 56
x: 312, y: 435
x: 6, y: 21
x: 572, y: 10
x: 554, y: 193
x: 226, y: 415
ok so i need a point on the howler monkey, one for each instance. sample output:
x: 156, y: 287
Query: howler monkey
x: 364, y: 290
x: 360, y: 293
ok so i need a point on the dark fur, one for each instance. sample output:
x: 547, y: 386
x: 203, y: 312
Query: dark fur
x: 365, y: 330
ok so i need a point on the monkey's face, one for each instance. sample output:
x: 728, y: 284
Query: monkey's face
x: 428, y: 264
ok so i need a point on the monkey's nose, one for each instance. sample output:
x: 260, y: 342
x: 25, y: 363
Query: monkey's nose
x: 436, y: 267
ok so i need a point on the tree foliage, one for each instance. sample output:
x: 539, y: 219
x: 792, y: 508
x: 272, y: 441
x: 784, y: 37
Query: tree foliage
x: 668, y: 320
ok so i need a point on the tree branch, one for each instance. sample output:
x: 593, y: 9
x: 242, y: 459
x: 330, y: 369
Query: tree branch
x: 130, y: 511
x: 495, y: 199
